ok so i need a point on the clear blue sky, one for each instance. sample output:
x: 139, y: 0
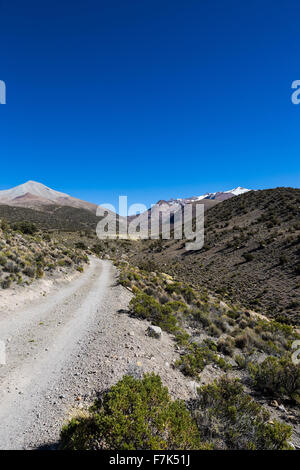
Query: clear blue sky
x: 149, y: 98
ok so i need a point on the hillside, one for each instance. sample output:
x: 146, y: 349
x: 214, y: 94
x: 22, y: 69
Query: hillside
x: 251, y: 252
x: 52, y: 217
x: 26, y: 255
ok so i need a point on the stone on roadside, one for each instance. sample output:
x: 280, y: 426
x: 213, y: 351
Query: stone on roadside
x: 154, y: 331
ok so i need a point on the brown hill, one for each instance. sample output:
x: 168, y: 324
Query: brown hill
x: 36, y: 196
x: 251, y: 253
x: 52, y: 217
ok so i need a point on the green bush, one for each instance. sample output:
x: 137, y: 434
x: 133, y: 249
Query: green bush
x: 230, y: 419
x: 81, y: 245
x: 97, y: 249
x: 277, y: 377
x: 26, y: 227
x: 248, y: 257
x: 134, y: 415
x: 145, y: 306
x: 197, y: 357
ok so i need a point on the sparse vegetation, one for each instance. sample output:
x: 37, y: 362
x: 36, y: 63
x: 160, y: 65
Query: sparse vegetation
x: 277, y: 377
x: 138, y: 414
x: 230, y: 419
x: 26, y: 255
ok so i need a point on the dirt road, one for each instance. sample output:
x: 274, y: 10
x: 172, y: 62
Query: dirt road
x: 64, y: 349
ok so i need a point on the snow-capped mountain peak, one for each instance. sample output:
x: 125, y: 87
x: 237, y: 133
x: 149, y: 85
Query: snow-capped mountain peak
x: 237, y: 191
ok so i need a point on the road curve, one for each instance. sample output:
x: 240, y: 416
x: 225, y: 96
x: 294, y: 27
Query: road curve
x: 43, y: 344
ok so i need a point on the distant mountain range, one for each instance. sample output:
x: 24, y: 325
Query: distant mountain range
x: 36, y: 195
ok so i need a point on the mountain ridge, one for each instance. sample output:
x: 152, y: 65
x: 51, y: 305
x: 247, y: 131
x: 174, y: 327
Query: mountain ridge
x: 33, y: 194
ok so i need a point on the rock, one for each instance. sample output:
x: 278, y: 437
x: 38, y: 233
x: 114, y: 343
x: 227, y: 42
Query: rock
x: 232, y: 362
x: 167, y: 276
x: 131, y: 333
x: 154, y: 331
x: 223, y: 305
x: 274, y: 403
x: 282, y: 408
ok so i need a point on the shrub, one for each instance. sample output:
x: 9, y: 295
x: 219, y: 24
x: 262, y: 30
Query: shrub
x: 231, y: 419
x: 29, y: 271
x: 81, y: 245
x: 39, y: 272
x: 134, y: 415
x: 197, y: 357
x: 6, y: 283
x: 148, y: 265
x: 241, y: 341
x: 277, y: 377
x: 11, y: 267
x: 97, y: 249
x: 145, y: 306
x: 248, y: 257
x: 26, y: 227
x: 226, y: 346
x: 201, y: 317
x: 241, y: 361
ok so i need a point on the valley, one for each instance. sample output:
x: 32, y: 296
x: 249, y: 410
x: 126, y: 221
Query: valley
x: 75, y: 313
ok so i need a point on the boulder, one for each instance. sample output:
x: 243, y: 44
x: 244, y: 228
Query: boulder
x: 154, y: 331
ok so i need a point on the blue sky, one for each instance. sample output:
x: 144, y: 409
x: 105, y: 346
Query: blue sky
x: 149, y: 98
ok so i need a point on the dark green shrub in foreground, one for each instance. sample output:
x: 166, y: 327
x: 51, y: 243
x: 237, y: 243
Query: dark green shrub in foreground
x: 133, y: 415
x: 230, y: 419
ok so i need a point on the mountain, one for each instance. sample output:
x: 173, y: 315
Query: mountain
x: 217, y: 196
x: 251, y: 253
x: 49, y: 209
x: 36, y: 195
x: 167, y: 209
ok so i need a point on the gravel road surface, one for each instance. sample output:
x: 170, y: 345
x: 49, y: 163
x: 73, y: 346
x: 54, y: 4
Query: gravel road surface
x: 64, y: 349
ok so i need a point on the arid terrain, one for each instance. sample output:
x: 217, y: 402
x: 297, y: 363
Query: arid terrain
x: 66, y: 346
x: 75, y: 313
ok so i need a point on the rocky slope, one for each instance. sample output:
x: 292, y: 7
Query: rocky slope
x: 26, y: 255
x: 251, y: 252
